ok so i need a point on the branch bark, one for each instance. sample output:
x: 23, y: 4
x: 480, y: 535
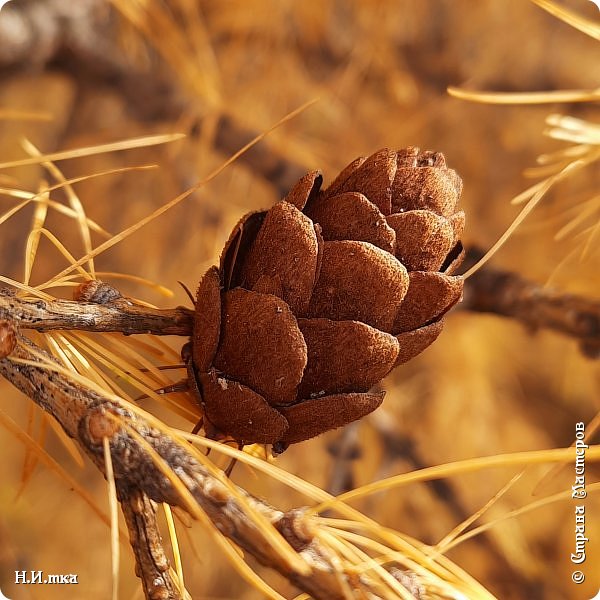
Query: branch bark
x: 117, y: 315
x: 508, y: 294
x: 152, y: 563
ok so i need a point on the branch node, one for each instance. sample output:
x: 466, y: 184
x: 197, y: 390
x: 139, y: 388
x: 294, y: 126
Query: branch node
x: 8, y: 337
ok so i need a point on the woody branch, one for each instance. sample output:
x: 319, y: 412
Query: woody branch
x: 491, y: 290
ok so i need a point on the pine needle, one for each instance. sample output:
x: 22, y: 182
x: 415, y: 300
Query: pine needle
x: 141, y: 142
x: 172, y: 203
x: 74, y: 201
x: 114, y: 517
x: 461, y: 467
x: 540, y: 193
x: 174, y: 544
x: 53, y: 466
x: 33, y: 239
x: 522, y: 510
x: 549, y: 97
x: 570, y: 17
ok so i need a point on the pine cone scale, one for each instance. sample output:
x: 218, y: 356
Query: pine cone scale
x: 423, y: 239
x: 323, y: 414
x: 207, y: 320
x: 285, y: 248
x: 430, y: 294
x: 351, y: 216
x: 305, y: 190
x: 373, y: 179
x: 253, y: 419
x: 412, y: 343
x: 237, y: 246
x: 425, y: 188
x: 261, y: 344
x: 359, y: 282
x: 344, y: 356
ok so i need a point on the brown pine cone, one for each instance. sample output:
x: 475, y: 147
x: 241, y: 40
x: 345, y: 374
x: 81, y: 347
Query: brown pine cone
x: 319, y: 298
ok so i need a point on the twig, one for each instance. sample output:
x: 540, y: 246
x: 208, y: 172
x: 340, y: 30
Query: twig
x: 135, y: 446
x: 508, y: 294
x: 152, y: 564
x: 120, y: 315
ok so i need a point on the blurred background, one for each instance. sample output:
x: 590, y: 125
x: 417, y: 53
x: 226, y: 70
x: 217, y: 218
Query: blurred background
x: 76, y: 74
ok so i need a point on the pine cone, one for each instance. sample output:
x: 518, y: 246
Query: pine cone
x: 320, y: 297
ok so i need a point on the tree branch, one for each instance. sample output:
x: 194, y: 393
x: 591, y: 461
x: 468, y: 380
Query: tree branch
x: 152, y: 564
x: 118, y: 314
x: 508, y: 294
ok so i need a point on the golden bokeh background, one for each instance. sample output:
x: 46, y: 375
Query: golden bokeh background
x: 379, y: 71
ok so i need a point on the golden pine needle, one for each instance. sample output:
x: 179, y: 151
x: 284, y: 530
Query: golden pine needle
x: 172, y: 203
x: 53, y: 466
x: 74, y: 201
x: 594, y: 232
x: 591, y: 488
x: 591, y: 429
x: 470, y: 465
x: 417, y: 555
x: 174, y: 545
x: 338, y: 556
x: 129, y: 356
x: 34, y: 292
x: 70, y: 446
x: 114, y: 517
x: 570, y: 17
x: 573, y: 135
x: 13, y: 211
x: 558, y: 267
x: 141, y: 142
x: 449, y: 537
x: 61, y: 248
x: 152, y: 345
x: 33, y: 239
x: 568, y: 153
x: 161, y: 348
x: 541, y: 191
x: 30, y: 197
x: 585, y: 210
x: 69, y: 182
x: 102, y: 355
x: 30, y: 461
x: 373, y: 565
x: 140, y: 379
x: 71, y: 357
x: 361, y: 561
x: 550, y: 97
